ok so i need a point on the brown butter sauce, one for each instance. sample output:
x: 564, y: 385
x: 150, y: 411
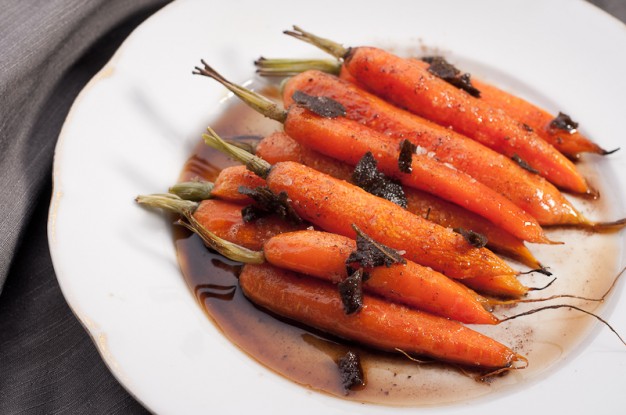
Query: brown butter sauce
x: 308, y: 357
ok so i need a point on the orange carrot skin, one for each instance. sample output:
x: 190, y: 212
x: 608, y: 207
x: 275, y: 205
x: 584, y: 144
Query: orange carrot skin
x: 227, y: 183
x: 324, y: 255
x: 379, y: 324
x: 453, y: 216
x: 224, y: 219
x: 529, y: 191
x: 279, y: 147
x: 570, y: 144
x: 408, y: 85
x: 334, y: 205
x: 348, y: 140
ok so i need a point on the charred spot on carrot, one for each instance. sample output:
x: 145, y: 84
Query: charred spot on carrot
x: 524, y: 164
x: 367, y: 176
x: 443, y: 69
x: 477, y: 240
x: 323, y: 106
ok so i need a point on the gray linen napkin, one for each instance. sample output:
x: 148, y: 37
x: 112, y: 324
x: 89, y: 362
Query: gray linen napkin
x: 49, y: 50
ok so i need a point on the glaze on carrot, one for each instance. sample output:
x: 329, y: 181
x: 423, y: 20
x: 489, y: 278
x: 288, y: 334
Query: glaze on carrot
x: 230, y: 179
x: 570, y: 143
x: 408, y: 85
x: 335, y: 206
x: 379, y: 324
x: 348, y: 141
x: 324, y: 255
x: 529, y: 191
x: 279, y: 147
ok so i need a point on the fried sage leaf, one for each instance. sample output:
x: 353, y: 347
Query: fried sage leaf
x: 267, y: 203
x: 370, y: 254
x: 351, y: 371
x: 351, y: 292
x: 405, y: 160
x: 443, y: 69
x: 367, y: 176
x: 323, y: 106
x: 564, y: 122
x: 477, y: 240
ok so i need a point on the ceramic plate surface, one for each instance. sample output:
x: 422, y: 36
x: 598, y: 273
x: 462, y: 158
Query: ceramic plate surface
x: 137, y: 121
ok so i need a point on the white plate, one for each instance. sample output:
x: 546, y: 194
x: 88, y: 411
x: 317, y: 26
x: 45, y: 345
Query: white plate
x: 136, y: 122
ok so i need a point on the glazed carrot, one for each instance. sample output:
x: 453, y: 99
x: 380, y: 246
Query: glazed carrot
x: 529, y: 191
x: 350, y: 141
x: 379, y: 324
x: 324, y: 255
x: 279, y: 147
x: 223, y: 220
x: 226, y: 186
x: 229, y: 180
x: 408, y: 85
x: 570, y: 142
x: 334, y: 205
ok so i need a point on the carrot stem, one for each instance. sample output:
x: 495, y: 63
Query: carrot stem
x: 255, y: 164
x: 289, y: 67
x: 327, y: 45
x: 193, y: 190
x: 256, y: 101
x: 186, y: 208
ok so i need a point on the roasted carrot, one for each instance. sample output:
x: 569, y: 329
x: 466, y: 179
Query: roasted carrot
x: 566, y: 137
x: 350, y: 141
x: 378, y: 324
x: 223, y: 220
x: 324, y: 255
x: 408, y: 85
x: 231, y: 179
x: 279, y: 147
x: 529, y: 191
x: 226, y: 186
x: 556, y: 130
x: 334, y: 205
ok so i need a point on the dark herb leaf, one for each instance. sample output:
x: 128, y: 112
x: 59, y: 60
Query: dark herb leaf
x: 370, y: 254
x: 405, y: 160
x: 477, y: 240
x: 523, y: 164
x: 351, y: 292
x: 564, y: 122
x: 351, y: 371
x: 446, y: 71
x: 323, y: 106
x: 367, y: 176
x: 267, y: 203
